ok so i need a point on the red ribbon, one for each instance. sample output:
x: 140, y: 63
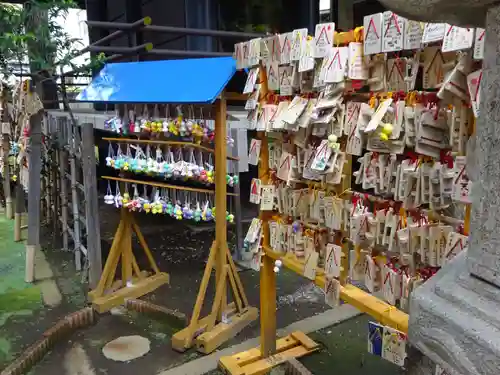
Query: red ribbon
x: 357, y: 84
x: 461, y: 229
x: 355, y: 199
x: 446, y: 158
x: 412, y: 156
x: 396, y: 206
x: 416, y: 215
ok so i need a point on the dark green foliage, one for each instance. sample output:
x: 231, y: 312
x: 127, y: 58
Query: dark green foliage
x: 31, y: 34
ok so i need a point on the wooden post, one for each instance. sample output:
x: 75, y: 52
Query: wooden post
x: 6, y: 176
x: 63, y: 162
x: 6, y: 148
x: 220, y: 195
x: 43, y: 201
x: 46, y: 190
x: 267, y: 275
x: 74, y: 198
x: 34, y: 195
x: 92, y: 206
x: 18, y: 216
x: 54, y: 160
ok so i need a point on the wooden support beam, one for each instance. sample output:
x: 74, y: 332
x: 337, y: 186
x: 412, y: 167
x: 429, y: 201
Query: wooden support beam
x: 6, y: 130
x: 18, y: 216
x: 54, y: 193
x: 94, y: 254
x: 221, y: 200
x: 34, y: 196
x: 363, y: 301
x: 63, y: 162
x: 267, y: 275
x: 73, y: 138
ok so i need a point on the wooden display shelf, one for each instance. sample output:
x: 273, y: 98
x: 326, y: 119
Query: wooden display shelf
x: 162, y: 185
x: 167, y: 143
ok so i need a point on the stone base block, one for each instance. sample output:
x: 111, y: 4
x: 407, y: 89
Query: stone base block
x: 455, y: 321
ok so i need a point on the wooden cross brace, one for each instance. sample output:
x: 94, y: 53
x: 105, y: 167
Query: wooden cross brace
x: 224, y: 320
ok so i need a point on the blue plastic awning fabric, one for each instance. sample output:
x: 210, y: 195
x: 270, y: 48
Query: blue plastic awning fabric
x: 195, y: 81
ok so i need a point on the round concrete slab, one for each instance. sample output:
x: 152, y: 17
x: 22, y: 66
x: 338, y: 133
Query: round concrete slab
x: 126, y: 348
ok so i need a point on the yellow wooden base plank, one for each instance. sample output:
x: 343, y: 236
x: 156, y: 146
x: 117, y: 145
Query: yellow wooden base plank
x: 363, y: 301
x: 179, y: 338
x: 207, y: 342
x: 230, y: 365
x: 252, y: 355
x: 105, y: 303
x: 304, y: 340
x: 250, y: 362
x: 263, y: 366
x: 117, y: 284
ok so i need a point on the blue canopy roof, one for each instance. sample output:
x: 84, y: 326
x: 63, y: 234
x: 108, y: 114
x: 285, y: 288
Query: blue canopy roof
x: 196, y: 81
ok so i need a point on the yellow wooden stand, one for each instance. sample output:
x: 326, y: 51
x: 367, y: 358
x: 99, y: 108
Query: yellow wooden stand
x: 225, y: 320
x: 134, y: 283
x: 273, y: 352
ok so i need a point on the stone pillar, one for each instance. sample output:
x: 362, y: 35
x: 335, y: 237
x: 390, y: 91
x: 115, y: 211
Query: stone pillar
x: 484, y: 249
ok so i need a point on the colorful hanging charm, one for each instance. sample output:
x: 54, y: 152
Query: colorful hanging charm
x: 118, y: 196
x: 187, y: 212
x: 119, y: 158
x: 332, y: 142
x: 157, y: 206
x: 126, y: 196
x: 109, y: 198
x: 110, y: 159
x: 197, y: 212
x: 386, y: 132
x: 178, y: 211
x: 209, y: 170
